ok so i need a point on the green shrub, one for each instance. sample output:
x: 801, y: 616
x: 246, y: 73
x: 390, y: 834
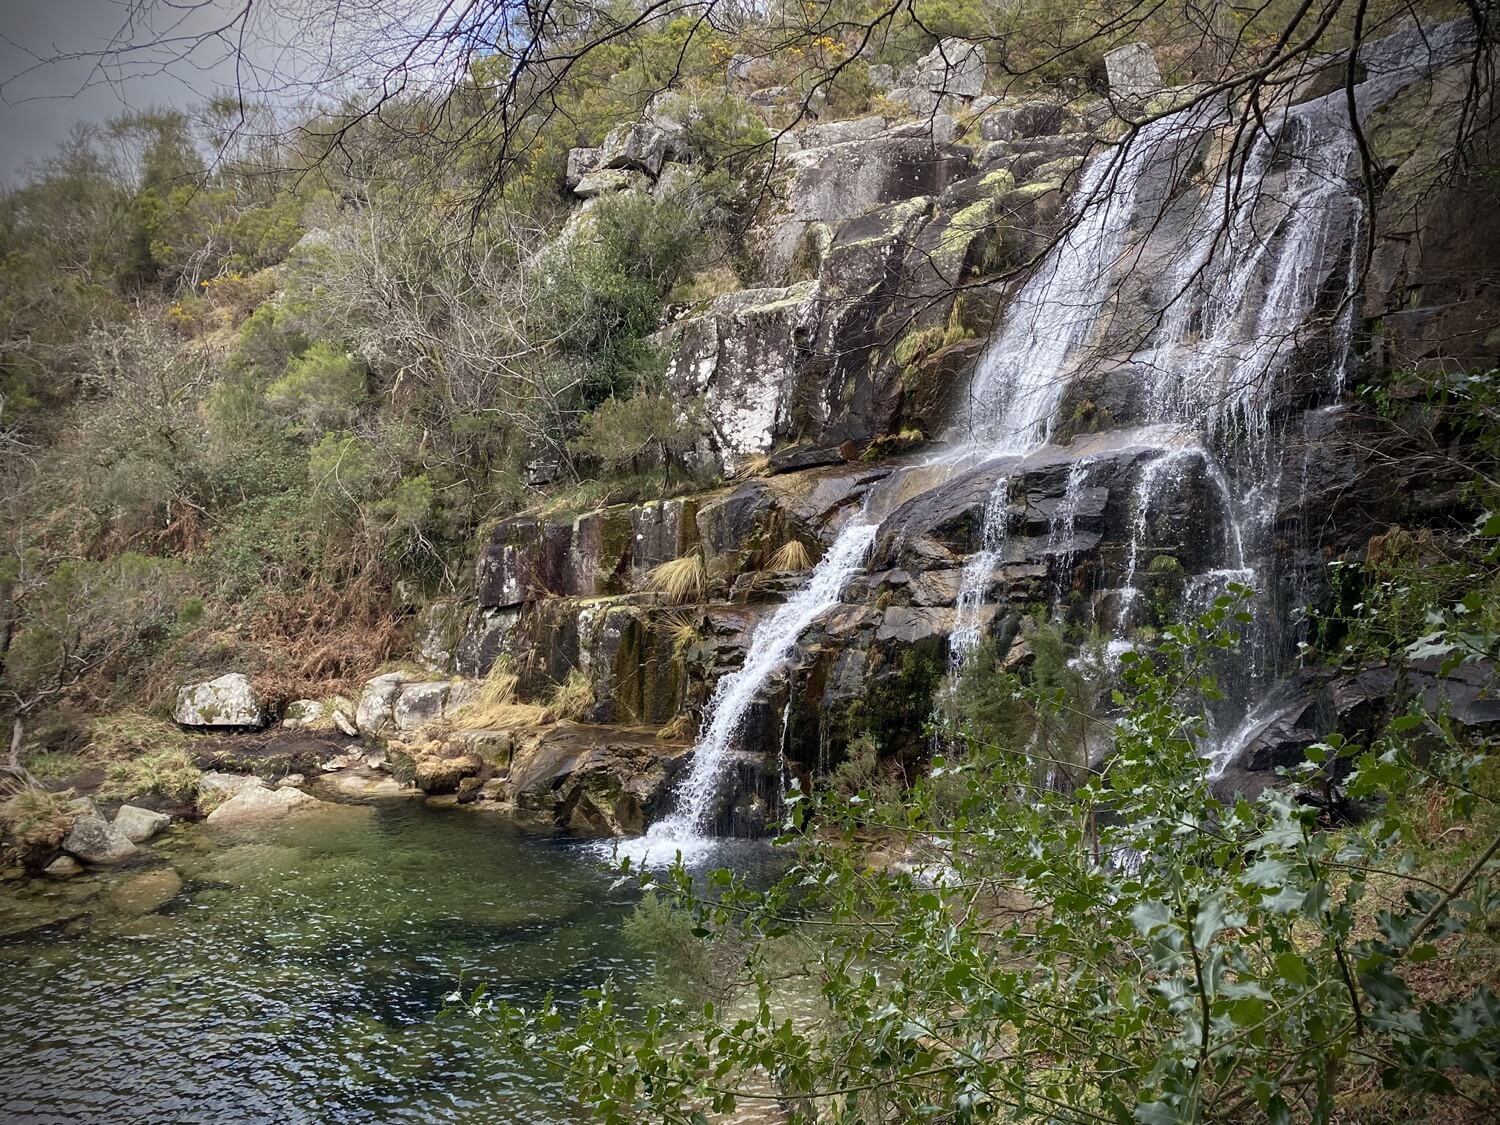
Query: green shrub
x: 324, y: 384
x: 684, y: 968
x: 647, y: 429
x: 1133, y: 950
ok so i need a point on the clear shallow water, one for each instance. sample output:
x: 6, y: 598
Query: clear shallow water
x: 299, y: 973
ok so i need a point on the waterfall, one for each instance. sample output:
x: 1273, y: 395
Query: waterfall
x: 688, y: 827
x: 1064, y: 521
x: 1019, y: 382
x: 1169, y: 468
x: 975, y: 579
x: 1261, y: 247
x: 1020, y: 378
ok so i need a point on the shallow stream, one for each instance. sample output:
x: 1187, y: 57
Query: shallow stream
x: 296, y: 972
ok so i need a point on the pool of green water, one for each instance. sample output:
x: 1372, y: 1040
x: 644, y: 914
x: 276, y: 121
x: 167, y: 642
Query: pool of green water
x: 296, y: 972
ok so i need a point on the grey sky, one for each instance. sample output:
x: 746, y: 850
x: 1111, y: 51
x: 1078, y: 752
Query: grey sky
x: 40, y: 107
x: 294, y: 50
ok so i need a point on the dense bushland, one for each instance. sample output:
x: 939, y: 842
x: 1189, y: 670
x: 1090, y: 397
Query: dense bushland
x: 1007, y: 942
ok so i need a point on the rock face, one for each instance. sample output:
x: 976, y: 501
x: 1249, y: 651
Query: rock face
x: 641, y: 147
x: 139, y: 825
x: 228, y: 701
x: 889, y: 252
x: 594, y: 782
x: 581, y: 161
x: 606, y: 181
x: 1133, y: 73
x: 94, y: 840
x: 954, y: 66
x: 743, y: 357
x: 399, y: 701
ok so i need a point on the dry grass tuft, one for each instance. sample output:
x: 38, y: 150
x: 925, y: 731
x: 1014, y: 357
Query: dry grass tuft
x: 37, y: 818
x: 570, y: 699
x: 680, y: 729
x: 679, y: 581
x: 169, y: 772
x: 757, y: 466
x: 791, y: 555
x: 495, y: 705
x: 494, y: 702
x: 682, y: 627
x: 131, y: 734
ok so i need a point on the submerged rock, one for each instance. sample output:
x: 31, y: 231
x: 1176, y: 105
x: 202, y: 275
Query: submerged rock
x: 147, y: 892
x: 139, y: 825
x: 366, y: 784
x: 228, y: 701
x: 228, y: 783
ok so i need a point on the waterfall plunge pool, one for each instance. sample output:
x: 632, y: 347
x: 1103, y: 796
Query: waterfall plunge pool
x: 296, y: 971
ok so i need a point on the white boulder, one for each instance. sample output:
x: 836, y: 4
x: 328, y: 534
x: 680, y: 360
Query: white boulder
x: 581, y: 161
x: 1133, y: 73
x: 641, y: 146
x: 229, y: 701
x: 954, y: 66
x: 396, y: 702
x: 258, y: 801
x: 138, y: 825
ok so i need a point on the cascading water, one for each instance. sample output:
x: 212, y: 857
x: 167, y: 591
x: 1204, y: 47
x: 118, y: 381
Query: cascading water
x: 1247, y: 283
x: 975, y: 578
x: 1168, y: 469
x: 1251, y: 310
x: 687, y: 829
x: 1064, y: 521
x: 1019, y: 382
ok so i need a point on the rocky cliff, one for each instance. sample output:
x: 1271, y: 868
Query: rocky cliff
x: 1197, y: 354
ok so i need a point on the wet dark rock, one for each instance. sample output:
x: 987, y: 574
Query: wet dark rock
x: 594, y: 781
x: 273, y: 755
x: 63, y: 867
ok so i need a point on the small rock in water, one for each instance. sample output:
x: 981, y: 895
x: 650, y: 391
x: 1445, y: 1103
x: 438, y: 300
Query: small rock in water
x: 63, y: 867
x: 252, y: 803
x: 362, y: 783
x: 147, y: 892
x: 442, y: 775
x: 94, y: 840
x: 230, y: 783
x: 138, y: 825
